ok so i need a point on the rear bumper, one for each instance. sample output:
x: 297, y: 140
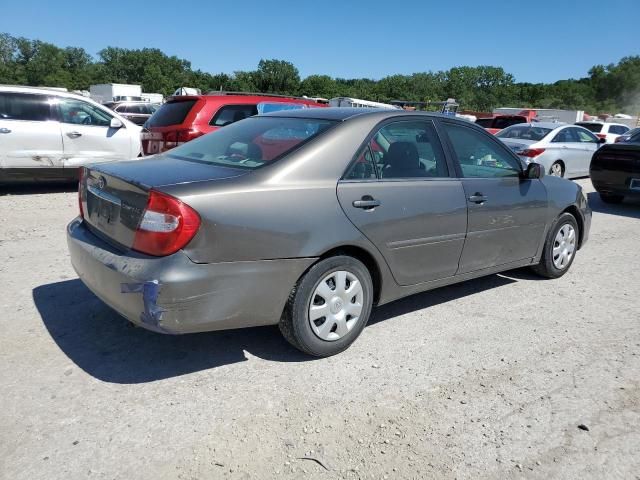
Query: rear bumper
x: 174, y: 295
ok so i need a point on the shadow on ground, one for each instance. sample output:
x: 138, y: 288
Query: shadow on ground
x: 38, y: 188
x: 628, y: 208
x: 109, y: 348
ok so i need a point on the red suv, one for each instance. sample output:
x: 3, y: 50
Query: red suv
x: 183, y: 118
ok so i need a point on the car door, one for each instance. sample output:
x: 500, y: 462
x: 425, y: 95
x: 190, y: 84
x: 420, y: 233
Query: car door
x: 400, y: 195
x: 569, y: 151
x: 87, y: 136
x: 506, y: 212
x: 586, y: 144
x: 29, y: 135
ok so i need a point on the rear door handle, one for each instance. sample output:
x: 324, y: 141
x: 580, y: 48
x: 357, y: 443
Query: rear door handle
x: 74, y: 134
x: 5, y: 130
x: 367, y: 203
x: 478, y: 198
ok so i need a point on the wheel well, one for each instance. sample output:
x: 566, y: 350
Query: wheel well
x: 573, y: 210
x: 366, y: 258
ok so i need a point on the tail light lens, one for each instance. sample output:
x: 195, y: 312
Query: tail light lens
x: 82, y: 175
x: 531, y: 152
x: 601, y: 135
x: 167, y: 225
x: 187, y: 135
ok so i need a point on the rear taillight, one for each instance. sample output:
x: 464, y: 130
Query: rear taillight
x: 188, y: 135
x: 167, y: 225
x: 82, y: 174
x: 531, y: 152
x: 601, y: 135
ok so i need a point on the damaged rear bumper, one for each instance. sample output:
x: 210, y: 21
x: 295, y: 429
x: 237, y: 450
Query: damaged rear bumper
x: 175, y: 295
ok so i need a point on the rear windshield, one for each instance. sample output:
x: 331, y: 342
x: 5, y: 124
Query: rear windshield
x: 504, y: 122
x: 251, y: 143
x: 171, y: 113
x: 485, y: 122
x: 524, y: 132
x: 594, y: 127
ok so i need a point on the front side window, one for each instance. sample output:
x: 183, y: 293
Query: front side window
x: 251, y: 144
x: 232, y: 113
x: 78, y: 112
x: 23, y: 106
x: 479, y: 156
x: 408, y: 149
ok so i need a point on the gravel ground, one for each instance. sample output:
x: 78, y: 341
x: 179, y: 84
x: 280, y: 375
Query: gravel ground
x: 487, y: 379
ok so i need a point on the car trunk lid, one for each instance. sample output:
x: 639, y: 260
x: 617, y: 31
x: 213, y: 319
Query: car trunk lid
x: 519, y: 145
x: 115, y: 195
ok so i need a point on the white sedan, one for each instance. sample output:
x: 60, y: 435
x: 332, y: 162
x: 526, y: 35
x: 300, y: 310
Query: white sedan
x: 47, y: 134
x: 564, y: 150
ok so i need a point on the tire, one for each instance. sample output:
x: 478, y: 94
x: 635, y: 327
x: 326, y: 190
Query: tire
x: 556, y: 170
x: 609, y: 198
x: 330, y: 335
x: 549, y: 266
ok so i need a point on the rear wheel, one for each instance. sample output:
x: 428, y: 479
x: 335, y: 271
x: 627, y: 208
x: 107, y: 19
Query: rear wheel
x: 557, y: 170
x: 559, y: 248
x: 329, y: 307
x: 609, y: 198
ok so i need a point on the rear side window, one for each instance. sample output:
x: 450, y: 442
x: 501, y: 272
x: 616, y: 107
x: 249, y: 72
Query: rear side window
x: 171, y: 113
x: 232, y: 113
x: 21, y: 106
x: 566, y: 135
x: 593, y: 127
x: 618, y: 129
x: 479, y: 156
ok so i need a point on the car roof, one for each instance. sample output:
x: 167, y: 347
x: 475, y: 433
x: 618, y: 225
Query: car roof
x: 343, y: 113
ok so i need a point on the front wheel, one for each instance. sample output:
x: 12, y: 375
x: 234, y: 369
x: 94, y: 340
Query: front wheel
x: 329, y: 306
x: 559, y: 248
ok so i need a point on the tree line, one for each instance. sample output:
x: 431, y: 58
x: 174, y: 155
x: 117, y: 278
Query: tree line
x: 609, y: 88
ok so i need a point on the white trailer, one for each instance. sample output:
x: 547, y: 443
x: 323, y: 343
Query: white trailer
x: 544, y: 114
x: 152, y: 97
x: 358, y: 103
x: 107, y: 92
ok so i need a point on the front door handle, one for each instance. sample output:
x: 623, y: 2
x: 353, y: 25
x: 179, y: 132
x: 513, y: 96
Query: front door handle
x: 367, y: 203
x: 5, y: 130
x: 74, y: 134
x: 478, y: 198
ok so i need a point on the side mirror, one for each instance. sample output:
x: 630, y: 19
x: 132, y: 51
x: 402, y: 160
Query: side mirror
x: 115, y: 123
x: 534, y: 171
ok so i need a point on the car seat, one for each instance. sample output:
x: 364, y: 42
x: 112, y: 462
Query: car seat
x: 402, y: 161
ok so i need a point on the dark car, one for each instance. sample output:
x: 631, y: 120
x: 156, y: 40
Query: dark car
x: 308, y: 218
x: 615, y: 170
x: 136, y: 112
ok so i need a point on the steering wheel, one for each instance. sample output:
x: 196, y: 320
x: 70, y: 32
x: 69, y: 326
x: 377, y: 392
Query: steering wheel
x: 86, y: 120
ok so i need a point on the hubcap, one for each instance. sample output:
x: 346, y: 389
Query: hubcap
x: 563, y: 246
x: 336, y: 305
x: 556, y: 170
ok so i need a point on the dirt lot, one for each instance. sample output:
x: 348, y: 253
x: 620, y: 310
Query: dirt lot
x: 487, y: 379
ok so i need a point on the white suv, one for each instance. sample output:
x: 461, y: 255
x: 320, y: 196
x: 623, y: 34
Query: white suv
x: 608, y: 131
x: 47, y: 134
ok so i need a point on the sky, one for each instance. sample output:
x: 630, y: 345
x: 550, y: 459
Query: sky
x: 536, y: 41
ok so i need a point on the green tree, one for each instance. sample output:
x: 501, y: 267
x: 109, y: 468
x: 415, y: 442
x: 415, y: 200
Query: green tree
x: 277, y: 76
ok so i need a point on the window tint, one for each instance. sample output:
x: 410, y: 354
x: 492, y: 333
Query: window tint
x: 593, y: 127
x: 21, y: 106
x: 253, y: 143
x: 363, y: 168
x: 585, y: 136
x: 232, y: 113
x: 618, y: 129
x: 566, y: 135
x: 479, y: 156
x: 171, y: 113
x: 82, y: 113
x: 504, y: 122
x: 525, y: 132
x: 408, y: 149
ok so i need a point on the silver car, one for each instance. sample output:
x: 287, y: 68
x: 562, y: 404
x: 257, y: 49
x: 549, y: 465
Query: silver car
x: 563, y: 150
x: 308, y: 218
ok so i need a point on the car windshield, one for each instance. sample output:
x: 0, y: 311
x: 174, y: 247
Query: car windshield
x: 251, y: 143
x: 594, y: 127
x: 524, y: 132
